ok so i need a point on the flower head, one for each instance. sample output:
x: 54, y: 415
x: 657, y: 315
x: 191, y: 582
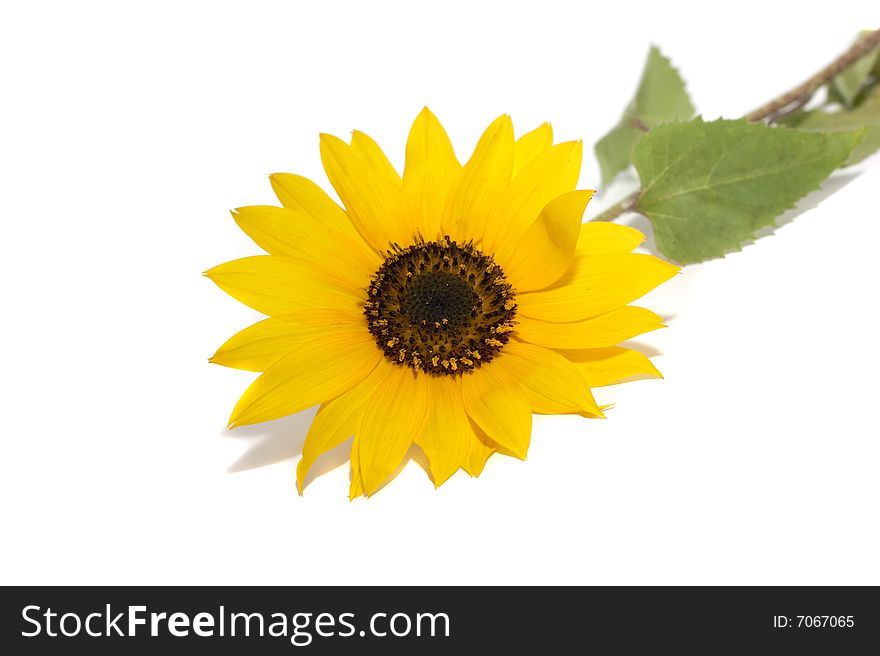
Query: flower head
x: 440, y: 308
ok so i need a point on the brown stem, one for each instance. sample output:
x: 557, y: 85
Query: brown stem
x: 628, y: 204
x: 801, y: 93
x: 638, y: 125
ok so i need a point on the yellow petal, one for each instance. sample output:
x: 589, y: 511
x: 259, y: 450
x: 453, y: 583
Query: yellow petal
x: 480, y: 447
x: 327, y: 316
x: 530, y: 145
x: 356, y: 487
x: 481, y: 182
x: 552, y: 384
x: 298, y: 193
x: 596, y: 284
x: 605, y: 330
x: 278, y: 285
x: 604, y: 237
x: 298, y: 235
x: 374, y: 203
x: 394, y: 416
x: 372, y: 154
x: 336, y: 421
x: 547, y: 248
x: 430, y: 171
x: 611, y: 365
x: 317, y: 371
x: 447, y: 431
x: 497, y: 404
x: 551, y: 174
x: 258, y: 347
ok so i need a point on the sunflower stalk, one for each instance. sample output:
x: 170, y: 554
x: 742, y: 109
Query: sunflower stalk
x: 659, y: 132
x: 801, y: 94
x: 628, y: 204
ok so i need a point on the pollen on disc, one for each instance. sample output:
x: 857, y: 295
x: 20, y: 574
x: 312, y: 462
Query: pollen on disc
x: 440, y: 307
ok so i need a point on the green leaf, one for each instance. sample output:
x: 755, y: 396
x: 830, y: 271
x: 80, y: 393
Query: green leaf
x: 708, y: 187
x: 660, y: 98
x: 865, y: 115
x: 847, y: 85
x: 614, y: 151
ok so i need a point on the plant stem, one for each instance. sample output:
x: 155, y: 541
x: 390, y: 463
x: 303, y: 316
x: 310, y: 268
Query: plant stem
x: 628, y: 204
x: 796, y: 97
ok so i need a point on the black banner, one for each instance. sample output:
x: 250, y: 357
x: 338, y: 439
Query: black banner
x: 110, y: 620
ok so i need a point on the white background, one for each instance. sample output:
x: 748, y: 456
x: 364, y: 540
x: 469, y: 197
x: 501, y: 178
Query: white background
x: 128, y: 130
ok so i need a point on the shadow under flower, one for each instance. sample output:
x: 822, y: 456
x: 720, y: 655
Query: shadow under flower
x: 282, y: 439
x: 271, y: 441
x: 643, y: 348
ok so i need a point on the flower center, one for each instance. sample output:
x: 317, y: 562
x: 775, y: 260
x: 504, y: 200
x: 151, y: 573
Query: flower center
x: 440, y: 307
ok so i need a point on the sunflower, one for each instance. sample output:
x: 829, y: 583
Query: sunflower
x: 440, y: 308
